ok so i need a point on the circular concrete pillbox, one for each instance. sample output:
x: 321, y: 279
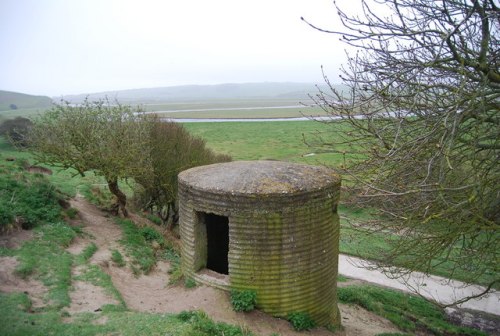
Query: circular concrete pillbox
x: 266, y: 226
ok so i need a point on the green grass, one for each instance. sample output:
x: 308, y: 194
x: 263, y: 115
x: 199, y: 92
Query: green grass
x: 44, y: 258
x: 277, y: 140
x: 87, y: 253
x: 28, y: 199
x: 21, y: 112
x: 96, y: 276
x: 66, y: 181
x: 142, y: 255
x: 117, y: 258
x: 17, y: 320
x: 409, y: 313
x: 175, y: 270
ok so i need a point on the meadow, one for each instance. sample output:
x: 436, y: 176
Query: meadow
x: 19, y: 315
x: 295, y: 141
x: 276, y: 140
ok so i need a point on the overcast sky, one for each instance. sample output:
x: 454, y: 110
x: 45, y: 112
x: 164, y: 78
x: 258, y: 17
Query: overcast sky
x: 59, y: 47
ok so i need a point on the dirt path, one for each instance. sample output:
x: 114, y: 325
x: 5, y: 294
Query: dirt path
x: 151, y: 293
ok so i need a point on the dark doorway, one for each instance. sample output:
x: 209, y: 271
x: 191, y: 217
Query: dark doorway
x: 217, y: 242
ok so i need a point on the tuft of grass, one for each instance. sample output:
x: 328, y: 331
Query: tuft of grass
x: 142, y: 254
x: 202, y: 325
x: 117, y: 258
x: 409, y: 313
x: 150, y: 234
x: 96, y: 276
x: 87, y: 253
x: 175, y: 270
x: 71, y: 213
x: 189, y: 283
x: 155, y: 219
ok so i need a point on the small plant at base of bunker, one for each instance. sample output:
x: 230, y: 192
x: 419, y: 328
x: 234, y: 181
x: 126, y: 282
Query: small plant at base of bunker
x: 243, y: 300
x: 301, y: 321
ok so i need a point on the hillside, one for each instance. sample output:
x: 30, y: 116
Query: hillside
x: 205, y: 92
x: 13, y: 100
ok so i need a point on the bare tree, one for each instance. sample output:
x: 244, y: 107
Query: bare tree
x: 420, y: 129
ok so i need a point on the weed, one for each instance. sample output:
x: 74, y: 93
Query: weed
x: 301, y: 321
x: 117, y: 258
x: 243, y: 300
x: 190, y: 283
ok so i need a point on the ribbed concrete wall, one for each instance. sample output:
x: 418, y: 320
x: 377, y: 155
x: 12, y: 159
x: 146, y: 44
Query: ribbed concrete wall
x: 283, y: 232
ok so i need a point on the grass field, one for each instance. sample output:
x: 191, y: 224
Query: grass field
x: 277, y: 140
x: 45, y: 258
x: 67, y: 181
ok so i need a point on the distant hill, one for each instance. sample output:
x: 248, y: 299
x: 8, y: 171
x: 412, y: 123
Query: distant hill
x: 205, y: 92
x: 13, y: 100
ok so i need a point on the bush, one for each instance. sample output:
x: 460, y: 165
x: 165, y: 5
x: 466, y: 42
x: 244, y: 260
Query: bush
x: 16, y: 130
x: 171, y: 149
x: 243, y: 300
x: 301, y: 321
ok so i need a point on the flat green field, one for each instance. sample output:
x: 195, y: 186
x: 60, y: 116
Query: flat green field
x: 276, y: 140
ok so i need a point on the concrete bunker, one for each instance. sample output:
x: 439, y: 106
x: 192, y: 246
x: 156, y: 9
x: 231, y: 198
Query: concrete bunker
x: 267, y: 226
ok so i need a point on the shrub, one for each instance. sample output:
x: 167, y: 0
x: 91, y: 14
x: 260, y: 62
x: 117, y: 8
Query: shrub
x: 301, y: 321
x: 171, y: 149
x: 16, y: 130
x: 243, y: 300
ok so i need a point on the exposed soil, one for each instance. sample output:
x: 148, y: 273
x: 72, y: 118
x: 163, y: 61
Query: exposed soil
x: 10, y: 282
x: 152, y: 293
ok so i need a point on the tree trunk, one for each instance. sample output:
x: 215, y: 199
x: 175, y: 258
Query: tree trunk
x: 121, y: 198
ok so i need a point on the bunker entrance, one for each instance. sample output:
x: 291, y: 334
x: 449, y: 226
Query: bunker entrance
x: 217, y: 242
